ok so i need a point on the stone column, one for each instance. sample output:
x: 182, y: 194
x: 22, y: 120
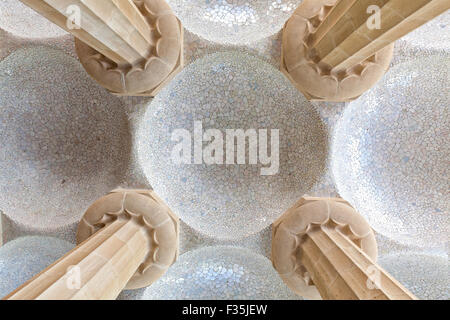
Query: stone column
x: 128, y: 239
x: 323, y: 248
x: 131, y: 47
x: 335, y: 50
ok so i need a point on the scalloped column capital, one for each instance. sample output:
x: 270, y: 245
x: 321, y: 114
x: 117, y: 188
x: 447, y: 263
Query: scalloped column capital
x: 335, y: 50
x: 130, y: 47
x: 127, y: 239
x: 322, y: 248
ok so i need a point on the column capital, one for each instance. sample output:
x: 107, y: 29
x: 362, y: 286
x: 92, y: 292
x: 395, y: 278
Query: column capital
x: 335, y: 50
x: 147, y: 210
x: 127, y: 239
x: 130, y: 47
x: 322, y: 247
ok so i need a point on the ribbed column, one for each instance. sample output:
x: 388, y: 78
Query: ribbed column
x: 335, y: 50
x: 346, y: 37
x: 116, y: 29
x: 136, y: 243
x: 341, y: 270
x: 121, y: 37
x: 325, y: 244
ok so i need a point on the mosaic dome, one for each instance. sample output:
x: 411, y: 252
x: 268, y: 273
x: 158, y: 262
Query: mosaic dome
x: 390, y: 153
x: 233, y: 21
x: 23, y: 258
x: 427, y: 276
x: 220, y: 93
x: 65, y: 140
x: 22, y: 21
x: 220, y: 273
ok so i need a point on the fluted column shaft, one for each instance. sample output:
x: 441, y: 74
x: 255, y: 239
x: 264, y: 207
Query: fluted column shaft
x: 132, y: 239
x: 130, y: 47
x: 103, y: 265
x: 345, y: 37
x: 115, y: 28
x: 335, y: 50
x: 341, y: 270
x: 322, y: 247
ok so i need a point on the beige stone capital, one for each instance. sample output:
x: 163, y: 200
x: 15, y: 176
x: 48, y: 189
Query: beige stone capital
x: 127, y: 239
x: 335, y: 50
x: 322, y: 247
x: 131, y: 47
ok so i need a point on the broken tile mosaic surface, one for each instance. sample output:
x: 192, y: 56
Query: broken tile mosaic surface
x: 413, y: 46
